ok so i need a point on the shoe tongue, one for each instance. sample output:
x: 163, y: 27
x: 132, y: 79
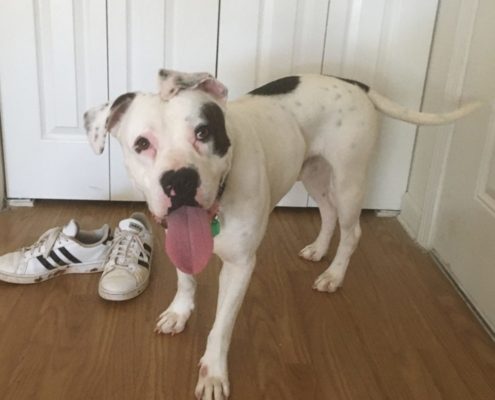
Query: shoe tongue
x: 131, y: 224
x: 71, y: 229
x: 188, y: 240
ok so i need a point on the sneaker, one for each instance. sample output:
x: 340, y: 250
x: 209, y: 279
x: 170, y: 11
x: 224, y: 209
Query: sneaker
x: 127, y: 269
x: 61, y: 250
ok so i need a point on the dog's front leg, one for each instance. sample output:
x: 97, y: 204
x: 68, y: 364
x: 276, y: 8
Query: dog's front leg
x: 174, y: 318
x: 213, y: 382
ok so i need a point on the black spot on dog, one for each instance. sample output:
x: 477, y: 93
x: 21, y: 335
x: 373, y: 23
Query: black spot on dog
x: 365, y: 88
x: 338, y: 96
x: 280, y: 86
x: 118, y: 108
x: 214, y: 120
x: 361, y: 85
x: 339, y: 123
x: 298, y: 104
x: 180, y: 82
x: 163, y: 74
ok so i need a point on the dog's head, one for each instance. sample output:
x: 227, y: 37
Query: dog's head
x: 175, y: 143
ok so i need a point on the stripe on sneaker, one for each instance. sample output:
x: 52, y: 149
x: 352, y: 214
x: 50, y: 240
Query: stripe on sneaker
x: 69, y: 256
x: 57, y: 259
x: 147, y: 247
x: 143, y: 263
x: 45, y: 262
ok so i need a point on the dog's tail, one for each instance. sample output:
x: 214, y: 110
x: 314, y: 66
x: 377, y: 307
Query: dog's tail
x: 397, y: 111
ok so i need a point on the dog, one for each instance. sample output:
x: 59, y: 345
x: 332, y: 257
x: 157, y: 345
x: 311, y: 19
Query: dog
x: 186, y: 146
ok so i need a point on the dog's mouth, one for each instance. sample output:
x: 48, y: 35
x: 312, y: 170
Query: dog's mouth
x: 212, y: 213
x: 188, y: 236
x: 189, y: 233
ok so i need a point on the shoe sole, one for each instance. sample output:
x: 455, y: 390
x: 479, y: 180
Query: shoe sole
x: 69, y: 269
x: 123, y: 296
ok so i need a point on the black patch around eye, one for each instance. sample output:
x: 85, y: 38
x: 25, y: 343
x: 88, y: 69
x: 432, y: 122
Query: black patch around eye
x: 214, y: 119
x: 280, y: 86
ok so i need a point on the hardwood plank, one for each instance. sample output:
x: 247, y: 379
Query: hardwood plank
x: 396, y: 330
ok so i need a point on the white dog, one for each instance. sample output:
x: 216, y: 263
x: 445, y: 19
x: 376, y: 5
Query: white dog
x: 233, y: 162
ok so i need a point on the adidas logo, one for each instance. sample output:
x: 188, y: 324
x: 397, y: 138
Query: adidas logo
x: 54, y: 260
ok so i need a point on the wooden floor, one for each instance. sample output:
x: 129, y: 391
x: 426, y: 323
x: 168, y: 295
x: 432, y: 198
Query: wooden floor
x: 397, y: 329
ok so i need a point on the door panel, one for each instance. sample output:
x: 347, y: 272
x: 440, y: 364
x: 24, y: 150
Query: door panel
x: 55, y: 71
x: 465, y: 224
x: 379, y: 42
x: 262, y: 41
x: 144, y: 36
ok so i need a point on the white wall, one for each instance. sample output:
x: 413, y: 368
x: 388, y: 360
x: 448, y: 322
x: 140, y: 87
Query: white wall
x: 443, y: 89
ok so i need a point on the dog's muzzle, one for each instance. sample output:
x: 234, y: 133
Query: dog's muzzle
x: 181, y: 187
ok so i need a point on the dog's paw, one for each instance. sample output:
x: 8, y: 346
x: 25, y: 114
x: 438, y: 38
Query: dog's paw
x: 212, y: 385
x: 313, y: 252
x: 328, y: 281
x: 170, y: 322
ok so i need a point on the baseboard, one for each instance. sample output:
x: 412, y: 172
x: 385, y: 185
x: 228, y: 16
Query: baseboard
x: 410, y: 216
x: 20, y: 203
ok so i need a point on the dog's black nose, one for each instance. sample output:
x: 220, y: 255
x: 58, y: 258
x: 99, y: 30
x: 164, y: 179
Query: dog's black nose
x: 181, y: 187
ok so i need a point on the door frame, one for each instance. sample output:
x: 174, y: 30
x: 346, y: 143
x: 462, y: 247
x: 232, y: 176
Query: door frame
x: 421, y: 202
x: 2, y: 169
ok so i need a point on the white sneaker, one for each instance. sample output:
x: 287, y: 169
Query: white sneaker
x: 127, y: 269
x: 61, y: 250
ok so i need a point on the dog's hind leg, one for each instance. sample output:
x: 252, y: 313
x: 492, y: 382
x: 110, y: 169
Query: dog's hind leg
x: 316, y: 177
x: 349, y: 193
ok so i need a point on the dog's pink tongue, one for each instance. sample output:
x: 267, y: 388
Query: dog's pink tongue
x: 188, y: 240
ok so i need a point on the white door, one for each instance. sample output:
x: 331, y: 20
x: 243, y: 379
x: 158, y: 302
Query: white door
x: 464, y: 237
x: 58, y: 68
x: 53, y: 66
x: 384, y: 43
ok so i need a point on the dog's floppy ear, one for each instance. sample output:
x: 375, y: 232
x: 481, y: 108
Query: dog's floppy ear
x: 172, y: 82
x: 98, y: 121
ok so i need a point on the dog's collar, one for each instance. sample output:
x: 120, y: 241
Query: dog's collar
x: 221, y: 188
x: 215, y: 219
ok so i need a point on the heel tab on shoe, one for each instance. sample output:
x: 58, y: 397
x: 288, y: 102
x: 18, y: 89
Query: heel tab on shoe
x: 71, y: 229
x: 132, y: 224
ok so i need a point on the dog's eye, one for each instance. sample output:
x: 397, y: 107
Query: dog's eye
x: 141, y: 144
x: 202, y: 133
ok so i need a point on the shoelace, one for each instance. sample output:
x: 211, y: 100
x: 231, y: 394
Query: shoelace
x: 44, y: 244
x: 126, y: 244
